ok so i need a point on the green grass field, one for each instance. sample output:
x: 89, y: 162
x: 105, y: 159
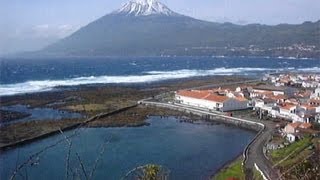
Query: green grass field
x: 294, y: 148
x: 234, y: 170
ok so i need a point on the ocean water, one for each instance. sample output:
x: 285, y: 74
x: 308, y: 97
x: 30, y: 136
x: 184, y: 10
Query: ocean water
x: 189, y: 151
x: 36, y: 75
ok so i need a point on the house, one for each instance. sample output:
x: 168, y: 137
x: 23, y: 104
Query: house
x: 315, y: 94
x: 274, y: 90
x: 303, y: 94
x: 314, y: 103
x: 303, y: 115
x: 310, y: 84
x: 278, y: 98
x: 266, y: 105
x: 210, y: 99
x: 317, y: 118
x: 292, y: 128
x: 308, y: 108
x: 291, y: 137
x: 271, y: 89
x: 287, y: 110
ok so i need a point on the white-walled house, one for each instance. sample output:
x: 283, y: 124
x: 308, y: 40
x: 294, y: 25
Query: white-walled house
x: 210, y: 100
x: 315, y: 94
x: 310, y: 84
x: 292, y: 129
x: 291, y: 137
x: 287, y: 110
x: 314, y: 103
x: 317, y: 118
x: 264, y: 89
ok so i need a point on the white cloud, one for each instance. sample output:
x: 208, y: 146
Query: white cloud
x: 41, y: 27
x: 52, y: 31
x: 32, y: 37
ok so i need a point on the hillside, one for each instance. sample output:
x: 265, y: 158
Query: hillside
x: 141, y: 29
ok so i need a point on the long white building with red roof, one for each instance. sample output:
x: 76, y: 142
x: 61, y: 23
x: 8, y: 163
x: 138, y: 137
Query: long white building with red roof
x: 212, y: 100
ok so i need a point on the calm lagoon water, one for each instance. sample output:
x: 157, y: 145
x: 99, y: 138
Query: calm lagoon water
x: 189, y: 151
x: 39, y: 114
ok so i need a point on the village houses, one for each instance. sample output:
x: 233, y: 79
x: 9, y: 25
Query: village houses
x: 285, y: 99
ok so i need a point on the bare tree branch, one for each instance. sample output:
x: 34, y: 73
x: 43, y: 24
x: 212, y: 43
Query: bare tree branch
x: 78, y: 156
x: 68, y: 161
x: 103, y: 147
x: 35, y: 155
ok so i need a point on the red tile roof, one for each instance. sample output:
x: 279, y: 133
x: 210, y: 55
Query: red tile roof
x: 203, y: 94
x: 278, y: 97
x: 216, y: 98
x: 308, y: 107
x: 287, y: 106
x: 301, y: 125
x: 239, y: 98
x: 295, y: 125
x: 315, y: 101
x: 305, y: 125
x: 193, y: 94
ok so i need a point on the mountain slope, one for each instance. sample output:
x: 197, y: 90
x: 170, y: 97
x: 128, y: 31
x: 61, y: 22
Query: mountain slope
x: 149, y: 28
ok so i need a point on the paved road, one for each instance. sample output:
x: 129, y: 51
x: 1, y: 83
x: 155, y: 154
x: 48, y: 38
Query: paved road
x: 254, y: 153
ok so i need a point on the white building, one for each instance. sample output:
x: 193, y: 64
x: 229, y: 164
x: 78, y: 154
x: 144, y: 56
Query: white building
x: 210, y: 100
x: 264, y: 89
x: 310, y: 84
x: 315, y: 94
x: 287, y: 110
x: 291, y: 137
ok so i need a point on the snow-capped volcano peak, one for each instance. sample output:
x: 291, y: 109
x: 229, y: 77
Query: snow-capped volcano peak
x: 145, y: 8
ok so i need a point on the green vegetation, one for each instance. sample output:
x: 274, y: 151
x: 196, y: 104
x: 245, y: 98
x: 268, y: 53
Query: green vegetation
x: 304, y: 164
x: 292, y: 149
x: 257, y: 175
x: 234, y: 170
x: 148, y: 172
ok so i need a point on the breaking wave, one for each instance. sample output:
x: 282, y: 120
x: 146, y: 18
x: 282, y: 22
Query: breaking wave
x: 146, y: 77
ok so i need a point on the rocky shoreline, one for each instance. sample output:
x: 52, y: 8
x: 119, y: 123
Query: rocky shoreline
x: 6, y: 116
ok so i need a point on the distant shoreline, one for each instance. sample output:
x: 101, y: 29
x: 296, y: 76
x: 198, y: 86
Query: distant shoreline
x: 3, y: 57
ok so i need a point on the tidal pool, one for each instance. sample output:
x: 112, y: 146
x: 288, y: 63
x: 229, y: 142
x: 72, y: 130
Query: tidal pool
x: 39, y: 114
x: 189, y: 151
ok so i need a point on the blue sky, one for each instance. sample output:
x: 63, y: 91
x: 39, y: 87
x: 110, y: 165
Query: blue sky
x: 45, y: 21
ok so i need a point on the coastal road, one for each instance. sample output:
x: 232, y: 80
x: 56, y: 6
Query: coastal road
x: 254, y: 153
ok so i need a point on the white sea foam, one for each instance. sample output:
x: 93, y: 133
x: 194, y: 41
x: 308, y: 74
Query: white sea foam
x: 313, y: 69
x: 151, y: 76
x: 217, y: 71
